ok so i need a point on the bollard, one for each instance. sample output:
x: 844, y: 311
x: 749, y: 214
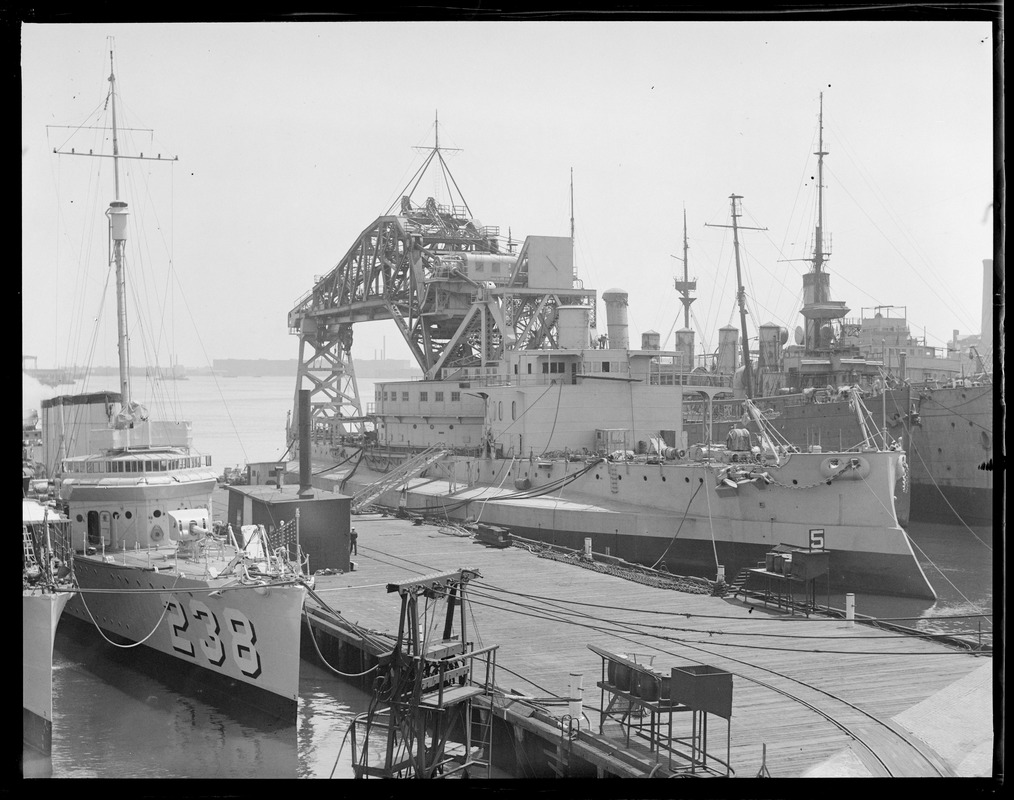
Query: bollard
x: 850, y: 609
x: 576, y: 695
x: 587, y: 548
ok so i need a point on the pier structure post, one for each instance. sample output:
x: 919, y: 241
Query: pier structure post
x: 576, y: 694
x: 850, y: 609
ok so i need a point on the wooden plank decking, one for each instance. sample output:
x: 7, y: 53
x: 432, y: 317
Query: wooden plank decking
x: 804, y: 687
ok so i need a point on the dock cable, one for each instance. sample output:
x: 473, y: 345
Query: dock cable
x: 524, y: 494
x: 944, y: 498
x: 820, y: 712
x: 688, y: 615
x: 603, y: 628
x: 132, y: 645
x: 554, y: 607
x: 679, y: 528
x: 930, y: 561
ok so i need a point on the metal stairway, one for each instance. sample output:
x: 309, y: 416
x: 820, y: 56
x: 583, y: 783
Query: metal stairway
x: 396, y: 477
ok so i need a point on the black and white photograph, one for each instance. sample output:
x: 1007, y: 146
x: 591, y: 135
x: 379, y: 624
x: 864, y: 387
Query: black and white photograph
x: 513, y: 398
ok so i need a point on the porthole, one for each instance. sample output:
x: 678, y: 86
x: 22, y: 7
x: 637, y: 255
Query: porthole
x: 451, y: 427
x: 597, y: 476
x: 431, y: 427
x: 795, y: 482
x: 644, y: 477
x: 116, y: 515
x: 156, y: 513
x: 663, y: 479
x: 128, y: 514
x: 687, y: 480
x: 80, y: 518
x: 414, y: 425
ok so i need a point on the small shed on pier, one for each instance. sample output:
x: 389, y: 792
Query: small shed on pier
x: 324, y: 519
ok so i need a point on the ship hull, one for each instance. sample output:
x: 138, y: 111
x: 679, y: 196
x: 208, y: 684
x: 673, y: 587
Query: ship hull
x: 243, y: 637
x: 40, y: 616
x: 947, y: 434
x: 686, y: 515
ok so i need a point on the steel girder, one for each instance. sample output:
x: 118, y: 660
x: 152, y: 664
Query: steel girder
x: 408, y: 268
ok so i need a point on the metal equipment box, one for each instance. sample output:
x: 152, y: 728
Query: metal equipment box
x: 703, y: 688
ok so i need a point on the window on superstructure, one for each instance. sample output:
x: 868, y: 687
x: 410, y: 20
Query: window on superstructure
x: 605, y: 366
x: 404, y: 396
x: 423, y: 397
x: 455, y: 397
x: 385, y: 395
x: 438, y: 397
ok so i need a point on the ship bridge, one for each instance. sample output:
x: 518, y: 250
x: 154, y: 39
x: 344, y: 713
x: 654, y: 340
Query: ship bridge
x: 460, y: 294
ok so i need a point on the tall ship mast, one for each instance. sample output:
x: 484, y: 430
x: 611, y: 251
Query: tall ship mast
x: 151, y: 566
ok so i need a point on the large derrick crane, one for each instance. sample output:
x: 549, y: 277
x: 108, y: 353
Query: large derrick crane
x: 459, y: 294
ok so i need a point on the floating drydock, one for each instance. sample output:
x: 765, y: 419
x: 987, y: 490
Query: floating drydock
x: 810, y: 695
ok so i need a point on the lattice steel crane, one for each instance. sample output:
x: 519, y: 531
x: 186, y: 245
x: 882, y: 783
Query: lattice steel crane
x: 460, y: 295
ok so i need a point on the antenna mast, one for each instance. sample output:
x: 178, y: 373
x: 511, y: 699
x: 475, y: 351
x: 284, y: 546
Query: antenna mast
x: 685, y: 286
x: 118, y: 235
x: 573, y: 251
x: 818, y: 247
x: 741, y: 294
x: 117, y: 214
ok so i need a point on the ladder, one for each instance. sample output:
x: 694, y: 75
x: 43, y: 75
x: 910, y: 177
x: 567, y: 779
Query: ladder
x: 738, y: 585
x: 395, y: 477
x: 614, y: 482
x: 30, y: 562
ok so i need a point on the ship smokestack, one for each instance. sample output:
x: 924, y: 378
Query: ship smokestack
x: 616, y: 318
x: 685, y: 347
x: 728, y: 342
x: 305, y: 487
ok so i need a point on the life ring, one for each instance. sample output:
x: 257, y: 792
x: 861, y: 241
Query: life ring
x: 156, y: 534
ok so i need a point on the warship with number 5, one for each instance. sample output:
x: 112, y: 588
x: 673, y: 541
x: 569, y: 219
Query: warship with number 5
x: 151, y: 567
x: 526, y: 418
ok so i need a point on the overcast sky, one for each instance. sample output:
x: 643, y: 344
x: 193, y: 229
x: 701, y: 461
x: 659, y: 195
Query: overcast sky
x: 292, y: 138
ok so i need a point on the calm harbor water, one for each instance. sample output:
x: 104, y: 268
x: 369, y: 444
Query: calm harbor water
x: 115, y: 719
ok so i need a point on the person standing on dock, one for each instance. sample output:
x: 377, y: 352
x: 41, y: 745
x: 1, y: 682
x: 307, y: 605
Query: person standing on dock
x: 353, y: 541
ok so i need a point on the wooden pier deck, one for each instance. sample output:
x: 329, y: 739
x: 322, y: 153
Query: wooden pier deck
x: 820, y: 697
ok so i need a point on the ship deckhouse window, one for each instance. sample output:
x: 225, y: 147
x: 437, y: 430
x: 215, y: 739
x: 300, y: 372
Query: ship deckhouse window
x: 423, y: 397
x: 605, y: 366
x: 455, y: 397
x: 438, y: 396
x: 404, y: 396
x: 385, y: 395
